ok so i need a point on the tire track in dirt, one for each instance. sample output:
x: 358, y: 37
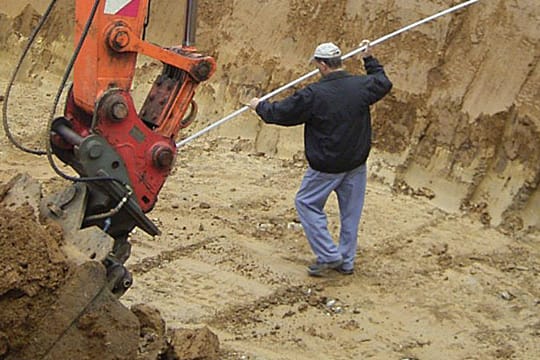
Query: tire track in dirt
x: 255, y: 317
x: 147, y: 264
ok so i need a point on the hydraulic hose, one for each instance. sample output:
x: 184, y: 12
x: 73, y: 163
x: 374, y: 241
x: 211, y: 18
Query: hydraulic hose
x: 27, y: 47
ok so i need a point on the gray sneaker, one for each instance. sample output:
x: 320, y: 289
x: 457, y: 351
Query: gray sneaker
x: 343, y: 271
x: 318, y: 268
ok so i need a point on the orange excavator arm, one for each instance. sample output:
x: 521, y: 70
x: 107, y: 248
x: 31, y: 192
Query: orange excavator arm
x: 122, y: 154
x: 109, y: 55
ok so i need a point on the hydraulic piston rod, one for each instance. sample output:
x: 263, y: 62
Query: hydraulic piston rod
x: 191, y: 20
x: 314, y: 72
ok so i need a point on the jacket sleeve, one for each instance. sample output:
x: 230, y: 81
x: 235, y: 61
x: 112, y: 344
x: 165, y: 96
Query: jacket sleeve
x: 293, y: 110
x: 378, y: 84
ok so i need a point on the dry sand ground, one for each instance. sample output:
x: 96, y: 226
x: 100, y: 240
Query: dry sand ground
x: 232, y: 256
x: 454, y: 277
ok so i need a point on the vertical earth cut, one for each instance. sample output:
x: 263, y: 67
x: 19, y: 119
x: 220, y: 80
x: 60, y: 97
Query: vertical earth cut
x: 463, y: 119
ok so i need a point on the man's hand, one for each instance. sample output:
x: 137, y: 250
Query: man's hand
x: 253, y: 103
x: 367, y: 51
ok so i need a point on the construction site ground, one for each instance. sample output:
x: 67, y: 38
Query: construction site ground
x: 440, y: 274
x: 233, y: 256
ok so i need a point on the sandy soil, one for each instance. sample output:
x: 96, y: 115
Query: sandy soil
x: 449, y: 258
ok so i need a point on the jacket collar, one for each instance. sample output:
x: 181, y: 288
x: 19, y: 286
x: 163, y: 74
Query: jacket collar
x: 335, y: 75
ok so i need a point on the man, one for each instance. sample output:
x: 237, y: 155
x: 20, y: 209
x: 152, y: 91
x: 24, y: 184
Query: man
x: 337, y: 138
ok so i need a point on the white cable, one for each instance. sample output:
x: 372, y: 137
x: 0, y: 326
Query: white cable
x: 314, y: 72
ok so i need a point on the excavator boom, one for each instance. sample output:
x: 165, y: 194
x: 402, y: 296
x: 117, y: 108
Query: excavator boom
x: 122, y: 154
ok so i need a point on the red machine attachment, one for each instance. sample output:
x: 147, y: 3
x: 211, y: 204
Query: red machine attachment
x: 123, y: 155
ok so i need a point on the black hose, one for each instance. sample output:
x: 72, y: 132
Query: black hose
x: 27, y: 47
x: 65, y: 78
x: 67, y: 73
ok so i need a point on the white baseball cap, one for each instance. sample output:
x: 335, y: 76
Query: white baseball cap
x: 326, y: 51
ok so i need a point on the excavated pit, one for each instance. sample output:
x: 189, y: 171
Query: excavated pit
x: 460, y: 129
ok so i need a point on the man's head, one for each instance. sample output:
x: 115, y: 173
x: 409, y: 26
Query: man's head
x: 328, y: 55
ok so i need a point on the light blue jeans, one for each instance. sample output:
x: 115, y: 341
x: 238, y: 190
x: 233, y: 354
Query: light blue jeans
x: 311, y: 198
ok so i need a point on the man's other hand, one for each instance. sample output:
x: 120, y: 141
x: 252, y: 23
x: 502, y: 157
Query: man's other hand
x: 367, y: 51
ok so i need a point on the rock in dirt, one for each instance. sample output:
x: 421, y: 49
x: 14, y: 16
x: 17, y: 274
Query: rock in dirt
x: 193, y: 344
x: 149, y: 318
x: 153, y: 341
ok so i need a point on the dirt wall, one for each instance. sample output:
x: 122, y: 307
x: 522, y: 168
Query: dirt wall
x: 463, y: 119
x: 462, y: 122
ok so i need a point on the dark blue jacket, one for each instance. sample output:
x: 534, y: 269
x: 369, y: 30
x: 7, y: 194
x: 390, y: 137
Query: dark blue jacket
x: 335, y: 111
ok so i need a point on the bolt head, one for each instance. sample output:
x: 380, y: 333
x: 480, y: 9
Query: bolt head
x: 203, y: 70
x: 163, y: 157
x: 121, y: 39
x: 95, y: 150
x: 119, y: 110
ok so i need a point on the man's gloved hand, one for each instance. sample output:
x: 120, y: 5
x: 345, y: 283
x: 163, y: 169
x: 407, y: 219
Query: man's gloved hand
x: 367, y: 51
x: 253, y: 103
